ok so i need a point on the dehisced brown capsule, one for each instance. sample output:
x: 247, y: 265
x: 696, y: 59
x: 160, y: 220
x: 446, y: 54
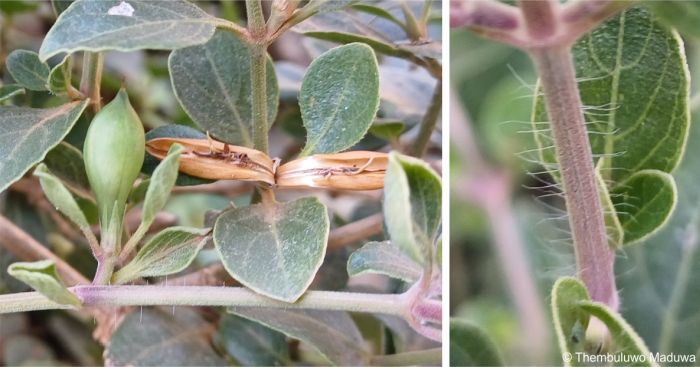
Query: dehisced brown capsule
x: 208, y: 158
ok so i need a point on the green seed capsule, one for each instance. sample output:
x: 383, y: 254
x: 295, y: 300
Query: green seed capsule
x: 113, y: 154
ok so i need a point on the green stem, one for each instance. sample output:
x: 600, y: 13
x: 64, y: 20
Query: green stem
x: 140, y: 295
x: 91, y: 78
x: 429, y: 122
x: 427, y: 357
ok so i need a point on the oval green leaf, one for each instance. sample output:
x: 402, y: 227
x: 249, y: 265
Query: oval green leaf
x: 274, y: 249
x: 43, y: 277
x: 127, y: 26
x: 29, y: 133
x: 60, y: 197
x: 339, y: 98
x: 412, y: 206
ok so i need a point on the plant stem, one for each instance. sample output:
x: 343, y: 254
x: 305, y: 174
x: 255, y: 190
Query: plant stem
x: 25, y: 247
x: 140, y: 295
x: 355, y: 231
x: 427, y: 357
x: 91, y: 78
x: 540, y: 19
x: 429, y: 122
x: 594, y: 257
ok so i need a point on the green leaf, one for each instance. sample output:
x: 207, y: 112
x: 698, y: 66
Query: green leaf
x: 212, y: 82
x: 384, y: 258
x: 170, y: 251
x: 253, y: 344
x: 60, y: 197
x: 173, y: 131
x: 683, y: 15
x: 645, y: 203
x: 572, y: 311
x: 333, y: 333
x: 59, y: 78
x: 42, y: 276
x: 153, y: 337
x: 339, y: 98
x: 274, y: 249
x: 66, y: 162
x: 10, y: 90
x: 89, y: 25
x: 412, y: 205
x: 471, y: 346
x: 159, y: 188
x: 633, y: 78
x: 29, y: 133
x: 27, y: 70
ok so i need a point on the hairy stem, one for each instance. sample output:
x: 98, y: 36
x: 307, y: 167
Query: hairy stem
x: 594, y: 257
x: 429, y: 122
x: 540, y: 19
x: 139, y: 295
x: 91, y: 78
